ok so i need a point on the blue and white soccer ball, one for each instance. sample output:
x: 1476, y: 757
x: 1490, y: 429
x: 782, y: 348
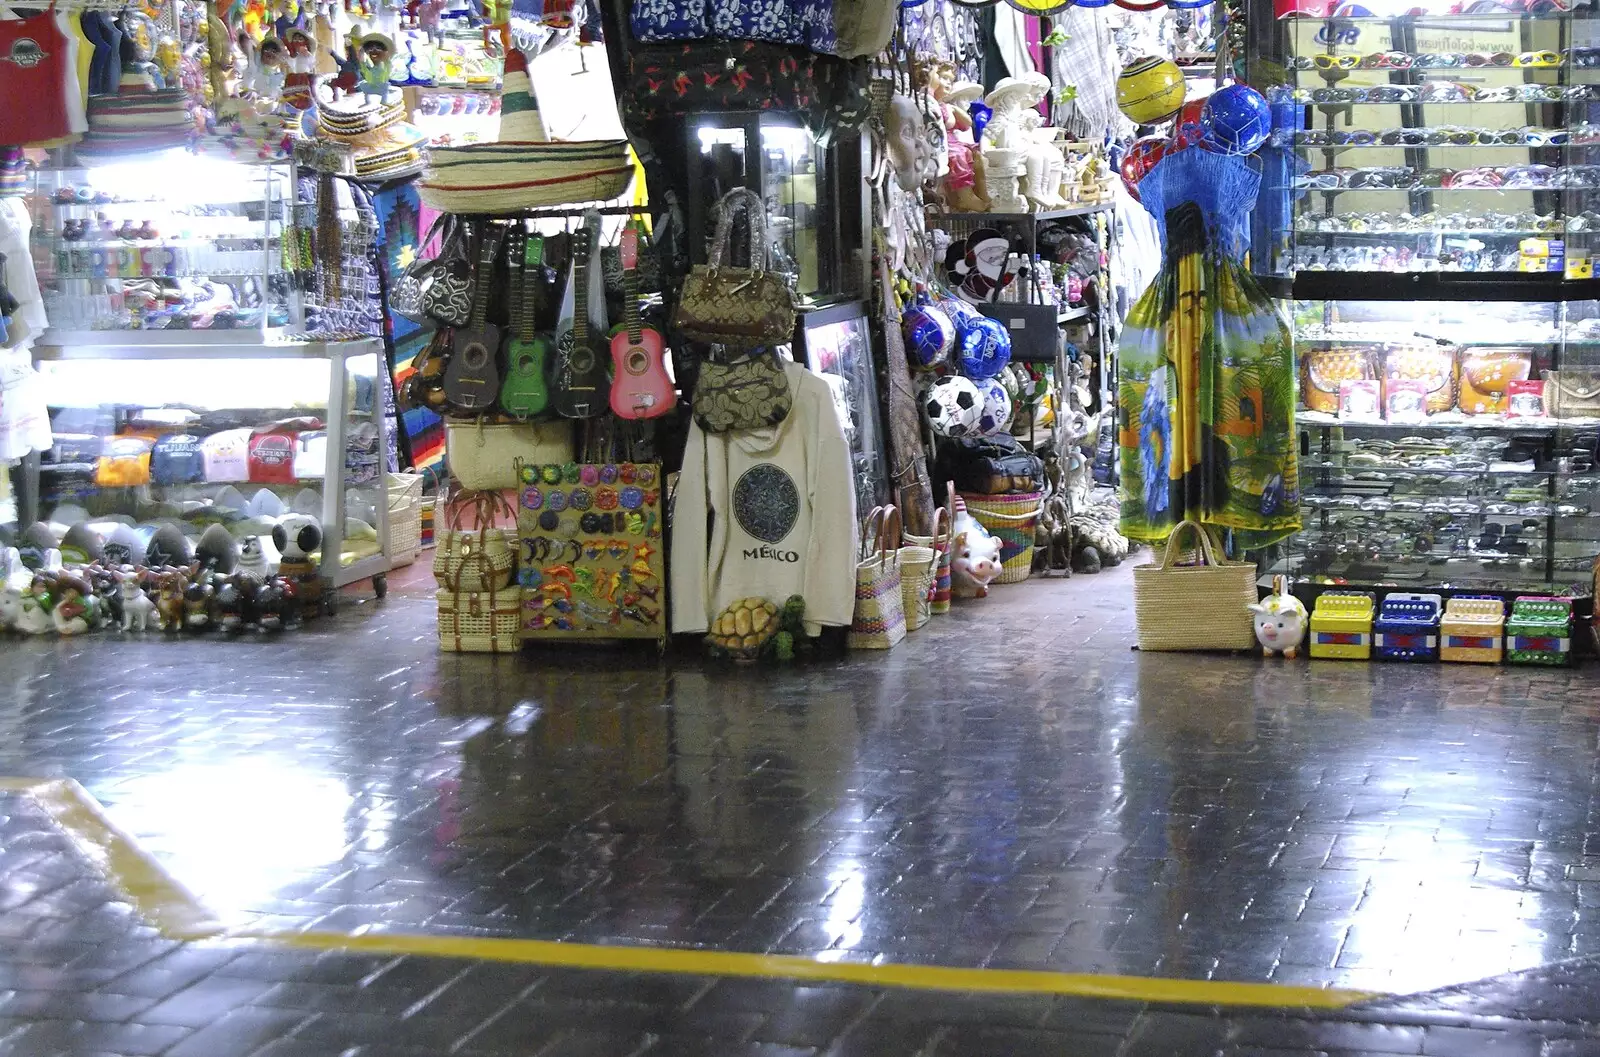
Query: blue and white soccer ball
x: 953, y: 406
x: 996, y: 416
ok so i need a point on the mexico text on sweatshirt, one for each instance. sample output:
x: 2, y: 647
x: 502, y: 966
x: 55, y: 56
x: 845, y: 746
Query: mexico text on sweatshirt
x: 781, y: 506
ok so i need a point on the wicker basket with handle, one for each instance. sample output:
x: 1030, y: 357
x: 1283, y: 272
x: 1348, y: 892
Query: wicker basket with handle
x: 481, y: 558
x: 1194, y: 607
x: 880, y: 616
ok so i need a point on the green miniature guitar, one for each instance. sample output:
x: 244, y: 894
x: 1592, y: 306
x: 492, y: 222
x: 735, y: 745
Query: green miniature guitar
x: 526, y: 393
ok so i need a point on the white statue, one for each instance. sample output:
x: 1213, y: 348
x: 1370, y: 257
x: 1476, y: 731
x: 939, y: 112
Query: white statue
x: 1045, y: 163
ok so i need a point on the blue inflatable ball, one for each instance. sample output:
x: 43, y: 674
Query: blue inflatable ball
x: 1236, y: 120
x: 928, y: 332
x: 985, y: 348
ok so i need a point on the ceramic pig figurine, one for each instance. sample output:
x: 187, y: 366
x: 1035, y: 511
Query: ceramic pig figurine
x: 1280, y: 621
x: 974, y: 562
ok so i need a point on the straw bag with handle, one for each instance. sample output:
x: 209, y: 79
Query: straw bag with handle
x: 480, y: 558
x: 880, y: 617
x: 1194, y: 607
x: 938, y: 588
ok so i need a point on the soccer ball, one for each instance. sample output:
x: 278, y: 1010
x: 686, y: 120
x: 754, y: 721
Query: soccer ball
x: 1150, y: 89
x: 929, y: 333
x: 1236, y: 119
x: 984, y: 345
x: 953, y: 406
x: 996, y: 416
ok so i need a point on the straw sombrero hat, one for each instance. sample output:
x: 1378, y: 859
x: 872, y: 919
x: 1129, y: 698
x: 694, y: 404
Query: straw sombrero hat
x: 524, y: 170
x: 382, y: 144
x: 138, y: 118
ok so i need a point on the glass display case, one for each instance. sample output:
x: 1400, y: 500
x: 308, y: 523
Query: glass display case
x: 167, y: 242
x: 1448, y: 444
x: 1436, y: 143
x: 809, y: 215
x: 150, y: 436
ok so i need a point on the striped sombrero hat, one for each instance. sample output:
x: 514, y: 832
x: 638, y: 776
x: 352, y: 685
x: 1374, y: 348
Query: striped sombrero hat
x: 524, y: 170
x: 383, y: 145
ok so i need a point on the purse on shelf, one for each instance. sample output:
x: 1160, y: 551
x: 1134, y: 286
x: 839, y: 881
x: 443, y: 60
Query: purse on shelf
x: 738, y: 307
x: 1572, y: 394
x: 747, y: 393
x: 879, y: 622
x: 448, y: 300
x: 1323, y: 370
x: 1486, y: 377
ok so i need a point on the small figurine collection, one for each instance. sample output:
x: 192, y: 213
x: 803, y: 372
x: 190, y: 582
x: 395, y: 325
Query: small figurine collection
x: 226, y: 585
x: 1406, y: 626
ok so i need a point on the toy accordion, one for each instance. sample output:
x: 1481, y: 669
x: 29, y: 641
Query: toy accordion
x: 1341, y: 625
x: 1407, y: 628
x: 1539, y: 630
x: 1473, y: 630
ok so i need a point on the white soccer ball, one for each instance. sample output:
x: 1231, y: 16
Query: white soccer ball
x: 953, y: 406
x: 996, y: 414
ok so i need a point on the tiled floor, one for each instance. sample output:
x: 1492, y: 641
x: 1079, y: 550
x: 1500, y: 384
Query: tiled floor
x: 1011, y: 788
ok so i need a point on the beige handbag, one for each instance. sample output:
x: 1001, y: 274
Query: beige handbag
x: 480, y: 621
x: 880, y: 618
x: 480, y: 558
x: 739, y: 307
x: 1572, y: 394
x: 1195, y: 607
x: 484, y: 456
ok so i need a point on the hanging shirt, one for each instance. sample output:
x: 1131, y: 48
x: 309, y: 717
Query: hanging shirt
x: 783, y: 520
x: 36, y: 64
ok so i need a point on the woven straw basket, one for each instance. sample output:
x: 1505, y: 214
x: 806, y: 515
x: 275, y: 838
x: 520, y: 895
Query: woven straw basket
x: 1195, y: 607
x: 488, y: 178
x: 880, y: 619
x: 940, y: 542
x: 469, y: 560
x: 1012, y: 519
x: 917, y: 568
x: 480, y: 621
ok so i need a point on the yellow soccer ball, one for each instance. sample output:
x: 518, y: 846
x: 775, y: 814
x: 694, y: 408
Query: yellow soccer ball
x: 1150, y: 89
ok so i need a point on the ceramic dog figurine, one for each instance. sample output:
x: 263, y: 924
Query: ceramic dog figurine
x: 137, y: 609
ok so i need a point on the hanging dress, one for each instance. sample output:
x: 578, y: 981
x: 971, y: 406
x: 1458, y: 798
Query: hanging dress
x: 1206, y: 389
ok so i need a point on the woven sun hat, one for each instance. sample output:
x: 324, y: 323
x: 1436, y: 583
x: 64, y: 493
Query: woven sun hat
x: 139, y: 117
x: 382, y: 144
x: 524, y: 170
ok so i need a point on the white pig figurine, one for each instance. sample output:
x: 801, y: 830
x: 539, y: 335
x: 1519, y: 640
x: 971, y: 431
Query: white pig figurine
x: 1280, y: 621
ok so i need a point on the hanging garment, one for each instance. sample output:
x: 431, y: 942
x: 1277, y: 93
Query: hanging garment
x: 36, y: 64
x: 781, y: 507
x: 1206, y: 398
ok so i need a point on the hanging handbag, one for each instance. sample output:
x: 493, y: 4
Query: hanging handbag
x: 407, y: 295
x: 748, y: 393
x: 739, y: 307
x: 448, y: 300
x: 479, y: 558
x: 879, y: 622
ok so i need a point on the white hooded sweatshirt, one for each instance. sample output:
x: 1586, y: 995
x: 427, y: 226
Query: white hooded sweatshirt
x: 782, y: 515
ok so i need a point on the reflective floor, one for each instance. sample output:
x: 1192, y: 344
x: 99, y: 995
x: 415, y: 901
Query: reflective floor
x: 1013, y: 787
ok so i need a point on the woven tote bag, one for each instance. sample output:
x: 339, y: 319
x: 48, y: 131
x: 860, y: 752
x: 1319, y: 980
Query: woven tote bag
x: 880, y: 616
x: 481, y: 558
x: 917, y: 564
x: 939, y: 543
x: 1194, y: 607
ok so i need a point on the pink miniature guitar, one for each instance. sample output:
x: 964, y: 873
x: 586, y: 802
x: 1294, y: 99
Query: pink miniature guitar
x: 640, y: 387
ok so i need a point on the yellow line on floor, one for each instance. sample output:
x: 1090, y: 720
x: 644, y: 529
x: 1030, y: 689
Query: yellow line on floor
x: 170, y: 907
x: 177, y: 914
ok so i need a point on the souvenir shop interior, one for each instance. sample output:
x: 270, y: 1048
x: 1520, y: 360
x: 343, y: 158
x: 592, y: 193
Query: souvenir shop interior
x: 785, y: 327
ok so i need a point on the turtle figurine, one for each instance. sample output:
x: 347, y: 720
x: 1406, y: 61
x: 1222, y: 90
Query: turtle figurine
x: 743, y: 629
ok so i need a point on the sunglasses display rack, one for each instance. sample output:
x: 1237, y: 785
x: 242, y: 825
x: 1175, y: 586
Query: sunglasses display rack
x: 1432, y: 210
